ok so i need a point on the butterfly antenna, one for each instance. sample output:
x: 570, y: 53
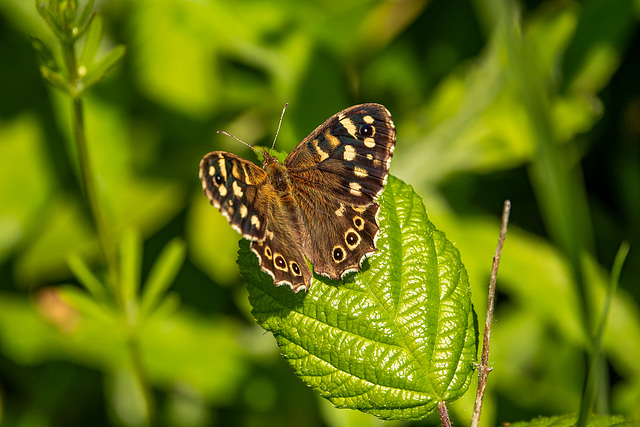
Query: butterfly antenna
x: 239, y: 140
x: 279, y: 124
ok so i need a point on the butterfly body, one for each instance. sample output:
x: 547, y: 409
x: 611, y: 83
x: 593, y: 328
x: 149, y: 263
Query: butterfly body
x: 319, y: 204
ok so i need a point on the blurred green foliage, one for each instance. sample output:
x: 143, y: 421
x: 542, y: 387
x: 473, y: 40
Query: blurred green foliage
x: 538, y: 102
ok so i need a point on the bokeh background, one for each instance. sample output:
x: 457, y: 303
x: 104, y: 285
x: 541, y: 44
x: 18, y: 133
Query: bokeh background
x: 533, y: 101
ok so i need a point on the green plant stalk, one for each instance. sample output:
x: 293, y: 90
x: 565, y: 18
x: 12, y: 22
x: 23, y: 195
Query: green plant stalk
x: 133, y: 346
x: 590, y: 387
x: 104, y: 236
x: 105, y: 239
x: 556, y: 176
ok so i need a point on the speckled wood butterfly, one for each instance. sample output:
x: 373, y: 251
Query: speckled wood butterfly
x: 320, y: 204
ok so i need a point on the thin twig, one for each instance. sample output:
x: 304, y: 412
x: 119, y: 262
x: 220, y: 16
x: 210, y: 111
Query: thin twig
x: 444, y: 414
x: 483, y: 368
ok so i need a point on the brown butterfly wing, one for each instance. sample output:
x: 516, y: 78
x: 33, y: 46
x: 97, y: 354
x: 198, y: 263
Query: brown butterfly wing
x: 337, y: 174
x: 280, y: 256
x: 239, y: 189
x: 244, y: 195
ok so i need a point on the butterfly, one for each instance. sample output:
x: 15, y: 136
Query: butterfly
x: 320, y: 204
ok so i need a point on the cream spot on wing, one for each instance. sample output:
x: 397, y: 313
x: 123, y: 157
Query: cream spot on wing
x: 340, y: 210
x: 222, y: 189
x: 358, y: 171
x: 243, y: 211
x: 255, y: 221
x: 235, y: 172
x: 223, y: 168
x: 212, y: 171
x: 349, y: 153
x: 349, y: 126
x: 333, y: 140
x: 369, y: 142
x: 237, y: 191
x: 354, y: 188
x: 368, y: 119
x: 321, y: 153
x: 247, y: 177
x: 370, y: 156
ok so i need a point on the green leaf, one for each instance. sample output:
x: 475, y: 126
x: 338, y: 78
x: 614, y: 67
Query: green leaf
x: 162, y: 274
x: 92, y: 43
x: 45, y: 56
x: 86, y: 277
x: 392, y: 340
x: 57, y: 80
x: 570, y: 420
x: 131, y: 264
x: 96, y: 72
x: 86, y: 14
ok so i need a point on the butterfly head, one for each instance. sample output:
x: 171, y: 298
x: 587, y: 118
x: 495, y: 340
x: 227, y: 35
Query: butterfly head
x: 268, y: 159
x: 276, y: 173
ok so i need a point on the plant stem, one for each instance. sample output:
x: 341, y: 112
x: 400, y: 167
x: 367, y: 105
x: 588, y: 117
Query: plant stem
x: 88, y: 183
x: 591, y: 382
x: 483, y: 368
x: 141, y: 379
x: 444, y: 414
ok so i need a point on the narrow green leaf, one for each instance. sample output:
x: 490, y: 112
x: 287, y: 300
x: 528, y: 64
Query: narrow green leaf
x: 91, y: 44
x: 86, y: 14
x: 131, y: 253
x: 96, y: 72
x: 596, y: 362
x: 86, y: 277
x: 392, y: 340
x: 45, y: 56
x: 570, y: 421
x: 87, y: 305
x: 162, y: 274
x: 46, y: 15
x: 55, y: 79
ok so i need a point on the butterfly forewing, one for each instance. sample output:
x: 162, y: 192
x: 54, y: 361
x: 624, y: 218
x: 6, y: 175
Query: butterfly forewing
x: 348, y: 155
x: 236, y: 187
x: 337, y: 173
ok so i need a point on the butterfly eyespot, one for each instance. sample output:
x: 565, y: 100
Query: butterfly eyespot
x: 366, y: 130
x: 358, y: 222
x: 218, y: 179
x: 267, y: 252
x: 352, y: 239
x: 295, y: 268
x: 281, y: 264
x: 338, y: 254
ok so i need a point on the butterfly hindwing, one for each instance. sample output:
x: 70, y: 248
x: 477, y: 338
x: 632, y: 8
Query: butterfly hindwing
x: 280, y: 256
x: 339, y: 246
